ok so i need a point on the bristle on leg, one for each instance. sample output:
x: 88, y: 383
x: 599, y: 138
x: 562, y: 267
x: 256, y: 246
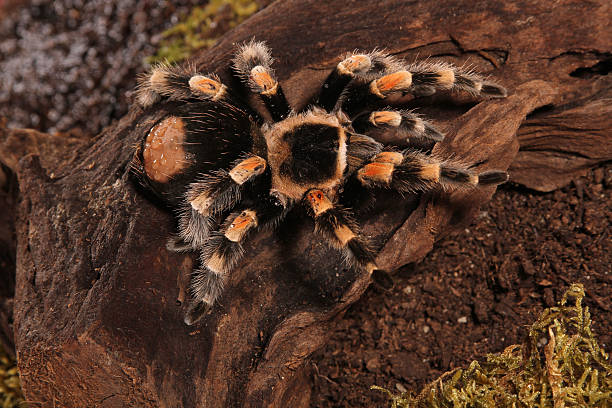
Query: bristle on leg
x: 220, y: 190
x: 178, y: 83
x: 250, y: 55
x: 194, y: 228
x: 340, y: 230
x: 443, y: 76
x: 352, y: 66
x: 253, y: 63
x: 206, y: 287
x: 405, y: 125
x: 418, y: 172
x: 420, y: 79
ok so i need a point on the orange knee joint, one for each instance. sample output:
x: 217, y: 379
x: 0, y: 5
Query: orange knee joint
x: 354, y: 64
x: 248, y: 168
x: 386, y: 118
x: 241, y: 225
x: 206, y: 86
x: 389, y: 157
x: 398, y: 81
x: 264, y: 81
x: 380, y: 172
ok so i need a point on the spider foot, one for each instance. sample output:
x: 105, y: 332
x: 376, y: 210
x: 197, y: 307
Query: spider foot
x: 253, y: 63
x: 178, y: 83
x: 195, y: 312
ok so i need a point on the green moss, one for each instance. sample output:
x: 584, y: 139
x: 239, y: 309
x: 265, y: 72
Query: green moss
x: 202, y: 28
x: 570, y: 370
x: 10, y: 387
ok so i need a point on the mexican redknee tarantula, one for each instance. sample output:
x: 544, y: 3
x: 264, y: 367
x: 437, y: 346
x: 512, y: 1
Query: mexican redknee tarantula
x: 228, y: 172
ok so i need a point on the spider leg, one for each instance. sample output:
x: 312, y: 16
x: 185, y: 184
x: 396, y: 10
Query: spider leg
x: 193, y: 229
x: 253, y: 63
x: 336, y: 224
x: 223, y: 250
x: 180, y: 83
x: 411, y: 172
x: 398, y: 127
x: 429, y: 77
x: 351, y: 66
x: 212, y: 195
x: 221, y: 189
x: 360, y: 149
x: 420, y: 79
x: 365, y: 92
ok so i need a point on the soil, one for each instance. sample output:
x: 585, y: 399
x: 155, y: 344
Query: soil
x: 475, y: 293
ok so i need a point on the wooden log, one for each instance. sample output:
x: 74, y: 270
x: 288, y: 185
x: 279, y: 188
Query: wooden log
x: 560, y: 145
x: 96, y: 318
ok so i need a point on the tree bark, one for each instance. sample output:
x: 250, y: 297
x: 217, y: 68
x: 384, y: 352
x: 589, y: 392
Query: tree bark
x: 99, y: 300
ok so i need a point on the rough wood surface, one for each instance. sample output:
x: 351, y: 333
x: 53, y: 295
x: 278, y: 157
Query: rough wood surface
x: 96, y: 315
x: 560, y: 145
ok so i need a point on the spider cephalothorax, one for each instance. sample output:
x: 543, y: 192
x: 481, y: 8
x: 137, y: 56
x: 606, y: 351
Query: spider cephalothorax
x: 228, y: 172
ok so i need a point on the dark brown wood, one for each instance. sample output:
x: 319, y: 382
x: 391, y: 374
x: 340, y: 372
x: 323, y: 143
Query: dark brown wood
x: 8, y: 246
x: 560, y: 145
x: 96, y: 318
x: 54, y: 151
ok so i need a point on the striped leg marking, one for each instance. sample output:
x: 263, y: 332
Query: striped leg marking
x: 221, y: 190
x: 413, y: 172
x: 340, y: 230
x: 253, y: 63
x: 178, y: 83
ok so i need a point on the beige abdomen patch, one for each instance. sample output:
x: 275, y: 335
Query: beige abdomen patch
x: 164, y: 154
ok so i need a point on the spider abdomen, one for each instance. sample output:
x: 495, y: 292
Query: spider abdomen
x: 194, y: 139
x: 163, y: 153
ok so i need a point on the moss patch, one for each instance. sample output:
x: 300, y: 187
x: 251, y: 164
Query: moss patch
x: 560, y: 365
x: 10, y: 387
x: 202, y: 28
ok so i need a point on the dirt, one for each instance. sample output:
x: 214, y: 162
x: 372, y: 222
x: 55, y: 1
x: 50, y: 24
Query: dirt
x: 475, y: 293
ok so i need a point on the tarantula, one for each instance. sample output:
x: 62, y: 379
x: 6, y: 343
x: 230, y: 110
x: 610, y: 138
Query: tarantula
x: 229, y: 172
